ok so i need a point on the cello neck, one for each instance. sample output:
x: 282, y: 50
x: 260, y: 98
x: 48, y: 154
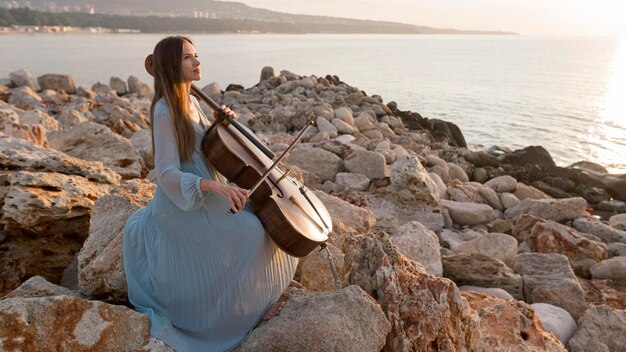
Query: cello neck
x: 224, y: 116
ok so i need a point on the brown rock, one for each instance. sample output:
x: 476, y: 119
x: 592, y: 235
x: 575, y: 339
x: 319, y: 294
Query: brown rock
x: 551, y: 237
x: 360, y: 219
x: 315, y: 272
x: 344, y: 320
x: 426, y: 313
x: 65, y: 323
x: 507, y: 325
x: 57, y: 82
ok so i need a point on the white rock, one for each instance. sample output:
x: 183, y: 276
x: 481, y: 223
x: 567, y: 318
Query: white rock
x: 456, y: 172
x: 345, y: 139
x: 504, y: 183
x: 493, y: 291
x: 352, y: 181
x: 612, y: 269
x: 370, y: 164
x: 420, y: 244
x: 550, y: 209
x: 618, y: 221
x: 556, y: 320
x: 23, y: 77
x: 342, y: 126
x: 509, y: 200
x: 495, y: 245
x: 345, y: 114
x: 468, y: 213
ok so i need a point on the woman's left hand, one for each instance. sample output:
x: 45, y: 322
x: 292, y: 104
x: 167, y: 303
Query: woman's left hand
x: 229, y: 112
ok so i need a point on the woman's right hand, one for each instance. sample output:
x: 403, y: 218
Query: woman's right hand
x: 235, y: 196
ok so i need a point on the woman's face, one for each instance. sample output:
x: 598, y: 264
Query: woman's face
x: 190, y: 64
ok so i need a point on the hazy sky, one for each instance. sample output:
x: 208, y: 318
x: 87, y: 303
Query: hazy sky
x: 532, y: 17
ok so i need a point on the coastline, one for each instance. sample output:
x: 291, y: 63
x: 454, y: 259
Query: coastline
x: 419, y: 221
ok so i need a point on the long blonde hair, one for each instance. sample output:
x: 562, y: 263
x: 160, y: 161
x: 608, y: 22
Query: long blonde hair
x: 169, y: 83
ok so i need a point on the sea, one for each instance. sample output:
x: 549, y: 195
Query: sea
x: 567, y: 94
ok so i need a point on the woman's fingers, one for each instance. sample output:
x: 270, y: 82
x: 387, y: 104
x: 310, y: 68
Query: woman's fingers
x: 229, y: 112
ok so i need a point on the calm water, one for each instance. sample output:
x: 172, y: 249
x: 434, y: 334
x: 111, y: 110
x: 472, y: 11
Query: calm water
x: 567, y: 94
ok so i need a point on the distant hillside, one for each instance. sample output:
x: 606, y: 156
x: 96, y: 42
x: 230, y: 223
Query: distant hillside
x: 249, y: 18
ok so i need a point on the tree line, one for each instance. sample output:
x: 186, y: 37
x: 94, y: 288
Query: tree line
x: 155, y: 24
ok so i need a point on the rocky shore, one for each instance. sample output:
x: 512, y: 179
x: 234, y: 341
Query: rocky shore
x: 439, y: 248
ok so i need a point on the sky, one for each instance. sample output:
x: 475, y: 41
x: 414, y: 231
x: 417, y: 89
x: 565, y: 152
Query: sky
x: 527, y: 17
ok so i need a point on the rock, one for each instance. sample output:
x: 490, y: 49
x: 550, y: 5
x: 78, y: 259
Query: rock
x: 156, y: 345
x: 616, y: 249
x: 551, y: 237
x: 618, y: 221
x: 317, y: 161
x: 37, y: 286
x: 100, y: 265
x: 142, y: 143
x: 532, y: 155
x: 118, y: 85
x: 103, y: 89
x: 468, y: 213
x: 363, y: 122
x: 496, y: 292
x: 95, y: 142
x: 342, y: 126
x: 558, y: 210
x: 411, y: 181
x: 17, y: 154
x: 501, y: 184
x: 351, y: 181
x: 600, y: 329
x: 457, y: 173
x: 136, y: 86
x: 412, y: 300
x: 266, y: 73
x: 452, y: 238
x: 373, y: 134
x: 309, y: 321
x: 556, y: 320
x: 23, y: 77
x: 40, y: 202
x: 596, y: 227
x: 24, y: 97
x: 442, y: 189
x: 69, y: 118
x: 481, y: 270
x: 464, y: 192
x: 491, y: 197
x: 496, y: 245
x: 66, y: 323
x: 612, y: 269
x: 548, y: 278
x: 315, y: 272
x: 326, y: 127
x: 122, y: 117
x: 39, y: 117
x: 344, y: 114
x: 509, y: 200
x: 524, y: 191
x: 370, y: 164
x: 8, y: 117
x: 57, y: 82
x: 345, y: 138
x: 360, y: 219
x: 507, y: 325
x: 419, y: 243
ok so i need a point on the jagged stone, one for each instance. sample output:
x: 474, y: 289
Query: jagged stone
x: 100, y: 265
x: 601, y: 328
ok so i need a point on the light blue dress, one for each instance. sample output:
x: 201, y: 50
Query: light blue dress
x: 203, y: 276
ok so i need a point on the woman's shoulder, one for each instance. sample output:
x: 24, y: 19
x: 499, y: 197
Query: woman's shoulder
x: 161, y: 108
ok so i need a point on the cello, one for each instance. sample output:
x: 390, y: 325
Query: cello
x: 296, y: 220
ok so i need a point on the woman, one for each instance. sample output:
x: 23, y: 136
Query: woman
x: 203, y: 276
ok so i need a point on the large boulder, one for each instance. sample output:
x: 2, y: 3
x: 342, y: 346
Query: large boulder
x: 558, y: 210
x: 57, y: 82
x: 370, y: 164
x: 556, y: 320
x: 95, y: 142
x: 426, y: 313
x: 67, y: 323
x: 47, y: 202
x: 532, y: 155
x: 360, y: 219
x: 344, y: 320
x: 602, y: 328
x: 317, y: 161
x: 552, y: 237
x: 468, y: 213
x: 419, y: 243
x: 496, y: 245
x: 24, y: 97
x: 23, y: 77
x: 481, y: 270
x: 548, y: 278
x: 315, y: 271
x: 19, y: 154
x: 507, y: 325
x: 597, y: 228
x: 612, y: 269
x: 100, y: 265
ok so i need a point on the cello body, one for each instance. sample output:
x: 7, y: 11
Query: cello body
x: 297, y: 222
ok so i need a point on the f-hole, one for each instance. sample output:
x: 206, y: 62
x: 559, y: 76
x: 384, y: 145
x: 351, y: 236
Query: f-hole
x: 280, y: 191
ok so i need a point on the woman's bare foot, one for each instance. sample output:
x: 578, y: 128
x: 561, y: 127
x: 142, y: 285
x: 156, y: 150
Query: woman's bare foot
x: 275, y: 308
x: 295, y: 284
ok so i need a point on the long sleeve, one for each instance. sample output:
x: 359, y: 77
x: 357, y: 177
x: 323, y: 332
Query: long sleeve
x: 182, y: 188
